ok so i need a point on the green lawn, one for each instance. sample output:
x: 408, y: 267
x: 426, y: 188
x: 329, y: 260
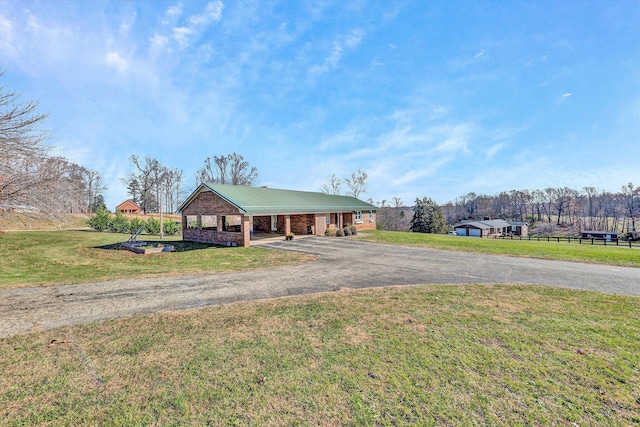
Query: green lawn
x: 611, y: 255
x: 56, y: 257
x: 499, y: 355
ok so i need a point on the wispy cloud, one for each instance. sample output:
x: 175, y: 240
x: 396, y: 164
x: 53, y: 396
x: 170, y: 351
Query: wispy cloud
x: 182, y: 35
x: 113, y: 59
x: 564, y: 98
x: 212, y: 13
x: 342, y: 43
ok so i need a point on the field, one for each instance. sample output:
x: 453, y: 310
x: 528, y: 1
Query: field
x: 427, y: 355
x: 611, y: 255
x: 471, y: 354
x: 60, y: 257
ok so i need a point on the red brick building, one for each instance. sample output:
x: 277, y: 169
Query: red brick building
x: 230, y: 214
x: 128, y: 207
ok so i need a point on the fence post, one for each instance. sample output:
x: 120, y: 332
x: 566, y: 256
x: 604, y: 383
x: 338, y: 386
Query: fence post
x: 629, y: 243
x: 569, y: 239
x: 592, y: 240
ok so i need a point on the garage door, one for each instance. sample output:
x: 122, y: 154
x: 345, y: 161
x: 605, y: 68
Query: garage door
x: 474, y: 232
x: 461, y: 231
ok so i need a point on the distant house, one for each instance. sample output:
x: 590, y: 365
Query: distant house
x: 492, y: 227
x: 229, y: 214
x: 601, y: 235
x: 128, y: 207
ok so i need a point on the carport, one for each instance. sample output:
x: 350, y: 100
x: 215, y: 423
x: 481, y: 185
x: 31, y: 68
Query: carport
x: 231, y: 214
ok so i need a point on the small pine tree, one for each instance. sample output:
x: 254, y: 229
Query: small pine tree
x: 428, y: 217
x: 170, y: 228
x: 100, y: 220
x: 119, y: 224
x: 153, y: 226
x: 135, y: 224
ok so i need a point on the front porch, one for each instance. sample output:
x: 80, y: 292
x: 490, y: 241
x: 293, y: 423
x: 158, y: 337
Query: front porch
x: 239, y: 230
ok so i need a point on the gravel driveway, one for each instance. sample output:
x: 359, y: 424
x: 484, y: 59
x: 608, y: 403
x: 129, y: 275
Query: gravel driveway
x: 341, y: 263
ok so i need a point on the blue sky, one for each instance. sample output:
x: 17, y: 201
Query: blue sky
x: 430, y: 98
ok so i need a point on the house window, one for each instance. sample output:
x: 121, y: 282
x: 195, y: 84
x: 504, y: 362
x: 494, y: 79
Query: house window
x: 357, y: 217
x: 370, y: 216
x: 328, y: 219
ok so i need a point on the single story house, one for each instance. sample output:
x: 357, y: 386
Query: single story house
x: 601, y: 235
x: 491, y: 227
x: 128, y: 207
x: 230, y: 214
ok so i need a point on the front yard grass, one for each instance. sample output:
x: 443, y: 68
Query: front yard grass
x: 611, y: 255
x: 426, y: 355
x: 61, y: 257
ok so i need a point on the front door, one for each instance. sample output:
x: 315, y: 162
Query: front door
x: 274, y: 222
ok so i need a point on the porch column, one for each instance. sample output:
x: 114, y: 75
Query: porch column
x: 287, y: 224
x: 246, y: 230
x: 199, y: 222
x: 219, y: 224
x: 340, y: 220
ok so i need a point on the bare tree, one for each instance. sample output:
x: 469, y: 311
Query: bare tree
x: 142, y: 184
x: 394, y: 216
x: 229, y: 169
x: 333, y: 185
x: 357, y: 183
x: 21, y: 146
x: 631, y: 195
x: 173, y: 183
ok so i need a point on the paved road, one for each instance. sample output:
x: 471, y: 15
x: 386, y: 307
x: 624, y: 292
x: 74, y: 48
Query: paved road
x: 341, y: 263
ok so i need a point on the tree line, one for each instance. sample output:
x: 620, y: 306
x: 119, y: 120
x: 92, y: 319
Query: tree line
x: 34, y: 181
x: 156, y: 187
x: 586, y: 209
x: 30, y: 178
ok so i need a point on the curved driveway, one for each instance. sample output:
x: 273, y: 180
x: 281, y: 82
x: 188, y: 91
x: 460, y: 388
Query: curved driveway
x: 341, y: 263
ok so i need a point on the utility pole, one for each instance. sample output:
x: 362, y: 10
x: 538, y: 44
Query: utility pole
x: 160, y: 204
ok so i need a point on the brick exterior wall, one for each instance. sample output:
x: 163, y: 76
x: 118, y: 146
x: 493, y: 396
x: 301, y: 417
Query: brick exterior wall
x: 368, y: 221
x: 262, y: 224
x: 207, y: 203
x: 300, y: 223
x: 211, y: 236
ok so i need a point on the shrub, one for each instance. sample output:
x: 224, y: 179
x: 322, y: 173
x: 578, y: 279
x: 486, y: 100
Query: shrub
x: 135, y: 224
x: 170, y: 227
x: 340, y: 233
x: 100, y: 220
x: 546, y: 228
x: 354, y: 230
x: 331, y: 232
x: 153, y: 226
x: 347, y: 231
x: 119, y: 224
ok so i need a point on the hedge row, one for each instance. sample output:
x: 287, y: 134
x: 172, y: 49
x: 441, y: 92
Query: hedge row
x: 102, y: 221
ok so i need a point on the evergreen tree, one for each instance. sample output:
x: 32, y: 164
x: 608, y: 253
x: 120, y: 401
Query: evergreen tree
x: 428, y: 217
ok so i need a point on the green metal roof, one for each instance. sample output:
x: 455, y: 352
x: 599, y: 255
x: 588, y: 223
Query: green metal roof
x: 261, y: 200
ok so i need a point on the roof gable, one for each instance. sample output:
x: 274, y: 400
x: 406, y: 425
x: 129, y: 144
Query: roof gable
x: 128, y: 202
x: 261, y: 200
